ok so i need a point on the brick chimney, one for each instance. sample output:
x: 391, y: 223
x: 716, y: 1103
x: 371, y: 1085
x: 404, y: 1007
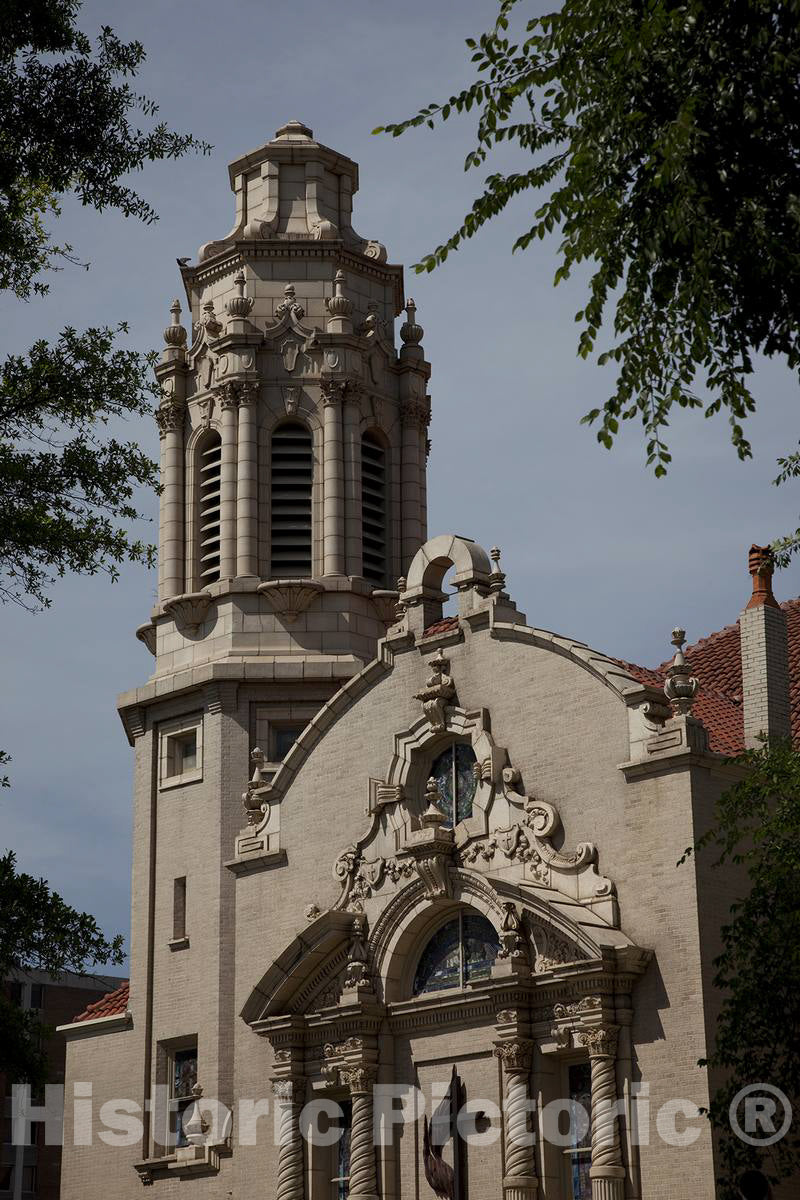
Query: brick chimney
x: 765, y: 656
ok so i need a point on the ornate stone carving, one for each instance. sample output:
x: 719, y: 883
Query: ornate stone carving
x: 552, y: 951
x: 512, y: 939
x: 209, y: 321
x: 578, y: 1007
x: 515, y: 1055
x: 240, y: 306
x: 189, y: 610
x: 339, y: 307
x: 680, y: 686
x: 414, y: 413
x: 333, y: 391
x: 599, y: 1040
x: 147, y: 634
x: 289, y: 352
x: 357, y: 972
x: 175, y: 334
x: 206, y: 406
x: 291, y: 399
x: 385, y: 605
x: 289, y: 305
x: 228, y: 396
x: 411, y: 333
x: 170, y: 418
x: 290, y: 597
x: 438, y: 692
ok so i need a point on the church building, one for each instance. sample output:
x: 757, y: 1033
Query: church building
x: 406, y: 920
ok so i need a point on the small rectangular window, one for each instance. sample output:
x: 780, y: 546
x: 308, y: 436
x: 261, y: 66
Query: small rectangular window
x: 179, y: 909
x: 579, y: 1155
x: 37, y: 995
x: 282, y: 736
x: 181, y: 752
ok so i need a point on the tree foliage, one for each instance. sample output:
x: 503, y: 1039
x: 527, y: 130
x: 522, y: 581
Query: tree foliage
x: 663, y: 140
x: 69, y: 124
x: 68, y: 489
x: 38, y: 930
x: 757, y: 1037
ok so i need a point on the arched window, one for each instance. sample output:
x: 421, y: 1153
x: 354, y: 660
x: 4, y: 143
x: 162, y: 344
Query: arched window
x: 373, y: 509
x: 291, y: 478
x: 456, y: 781
x: 210, y: 461
x: 460, y: 952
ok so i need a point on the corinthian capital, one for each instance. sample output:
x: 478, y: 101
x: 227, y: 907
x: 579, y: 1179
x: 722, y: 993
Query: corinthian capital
x: 169, y: 418
x: 415, y: 414
x: 229, y: 395
x: 599, y: 1040
x: 515, y: 1055
x: 333, y: 391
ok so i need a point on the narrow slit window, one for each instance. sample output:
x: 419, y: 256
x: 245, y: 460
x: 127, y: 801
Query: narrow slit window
x: 210, y: 461
x: 373, y: 508
x: 179, y: 909
x: 290, y: 495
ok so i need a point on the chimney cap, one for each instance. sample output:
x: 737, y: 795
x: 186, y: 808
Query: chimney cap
x: 761, y: 564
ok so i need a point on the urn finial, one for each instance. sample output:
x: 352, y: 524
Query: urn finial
x: 239, y: 306
x: 410, y: 332
x: 175, y: 334
x: 680, y: 687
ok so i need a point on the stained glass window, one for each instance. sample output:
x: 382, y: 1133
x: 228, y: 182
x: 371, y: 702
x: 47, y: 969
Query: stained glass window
x: 461, y: 951
x: 579, y: 1154
x: 454, y: 772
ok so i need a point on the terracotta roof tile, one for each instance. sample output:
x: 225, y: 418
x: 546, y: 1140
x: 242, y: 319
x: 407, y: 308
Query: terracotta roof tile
x: 113, y: 1004
x: 717, y: 663
x: 443, y: 626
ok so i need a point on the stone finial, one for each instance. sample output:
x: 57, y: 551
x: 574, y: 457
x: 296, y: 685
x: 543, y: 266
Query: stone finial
x: 239, y: 307
x: 339, y: 307
x: 410, y: 332
x: 294, y: 129
x: 175, y: 334
x: 680, y: 687
x: 497, y: 578
x: 761, y: 565
x: 433, y: 815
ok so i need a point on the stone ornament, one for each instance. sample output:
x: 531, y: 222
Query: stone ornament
x: 175, y: 334
x: 147, y: 635
x: 188, y: 611
x: 439, y: 690
x: 411, y: 333
x: 170, y: 418
x: 599, y: 1040
x: 339, y: 307
x: 512, y: 938
x: 291, y: 399
x: 289, y: 598
x: 333, y: 391
x: 681, y: 686
x: 289, y: 306
x: 515, y: 1055
x: 241, y: 305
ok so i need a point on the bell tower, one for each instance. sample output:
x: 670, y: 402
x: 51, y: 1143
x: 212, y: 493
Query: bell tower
x: 293, y: 433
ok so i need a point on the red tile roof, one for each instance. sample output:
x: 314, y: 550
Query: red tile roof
x: 717, y: 663
x: 113, y: 1004
x: 443, y: 626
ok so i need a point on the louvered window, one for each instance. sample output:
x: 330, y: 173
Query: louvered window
x: 210, y: 459
x: 373, y: 508
x: 290, y: 494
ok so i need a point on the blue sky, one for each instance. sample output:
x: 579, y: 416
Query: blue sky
x: 592, y: 545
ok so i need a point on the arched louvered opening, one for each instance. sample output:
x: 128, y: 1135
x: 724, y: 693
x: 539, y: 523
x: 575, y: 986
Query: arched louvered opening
x: 208, y: 544
x: 373, y: 508
x: 291, y: 479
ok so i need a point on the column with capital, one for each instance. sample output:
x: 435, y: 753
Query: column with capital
x: 288, y: 1103
x: 519, y: 1179
x: 227, y: 482
x: 607, y: 1172
x: 170, y: 418
x: 351, y: 423
x: 360, y: 1081
x: 333, y: 391
x: 247, y: 482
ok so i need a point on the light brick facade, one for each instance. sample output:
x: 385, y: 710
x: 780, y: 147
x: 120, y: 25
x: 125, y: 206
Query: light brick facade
x: 282, y: 946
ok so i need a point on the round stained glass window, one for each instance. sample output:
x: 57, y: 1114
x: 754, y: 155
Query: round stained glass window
x: 459, y: 952
x: 454, y: 772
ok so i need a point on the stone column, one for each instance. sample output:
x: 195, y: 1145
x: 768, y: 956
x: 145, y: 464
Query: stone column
x: 351, y: 420
x: 170, y: 419
x: 607, y: 1172
x: 414, y: 422
x: 227, y: 489
x: 290, y: 1144
x: 247, y: 483
x: 333, y: 478
x: 363, y: 1176
x: 519, y: 1181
